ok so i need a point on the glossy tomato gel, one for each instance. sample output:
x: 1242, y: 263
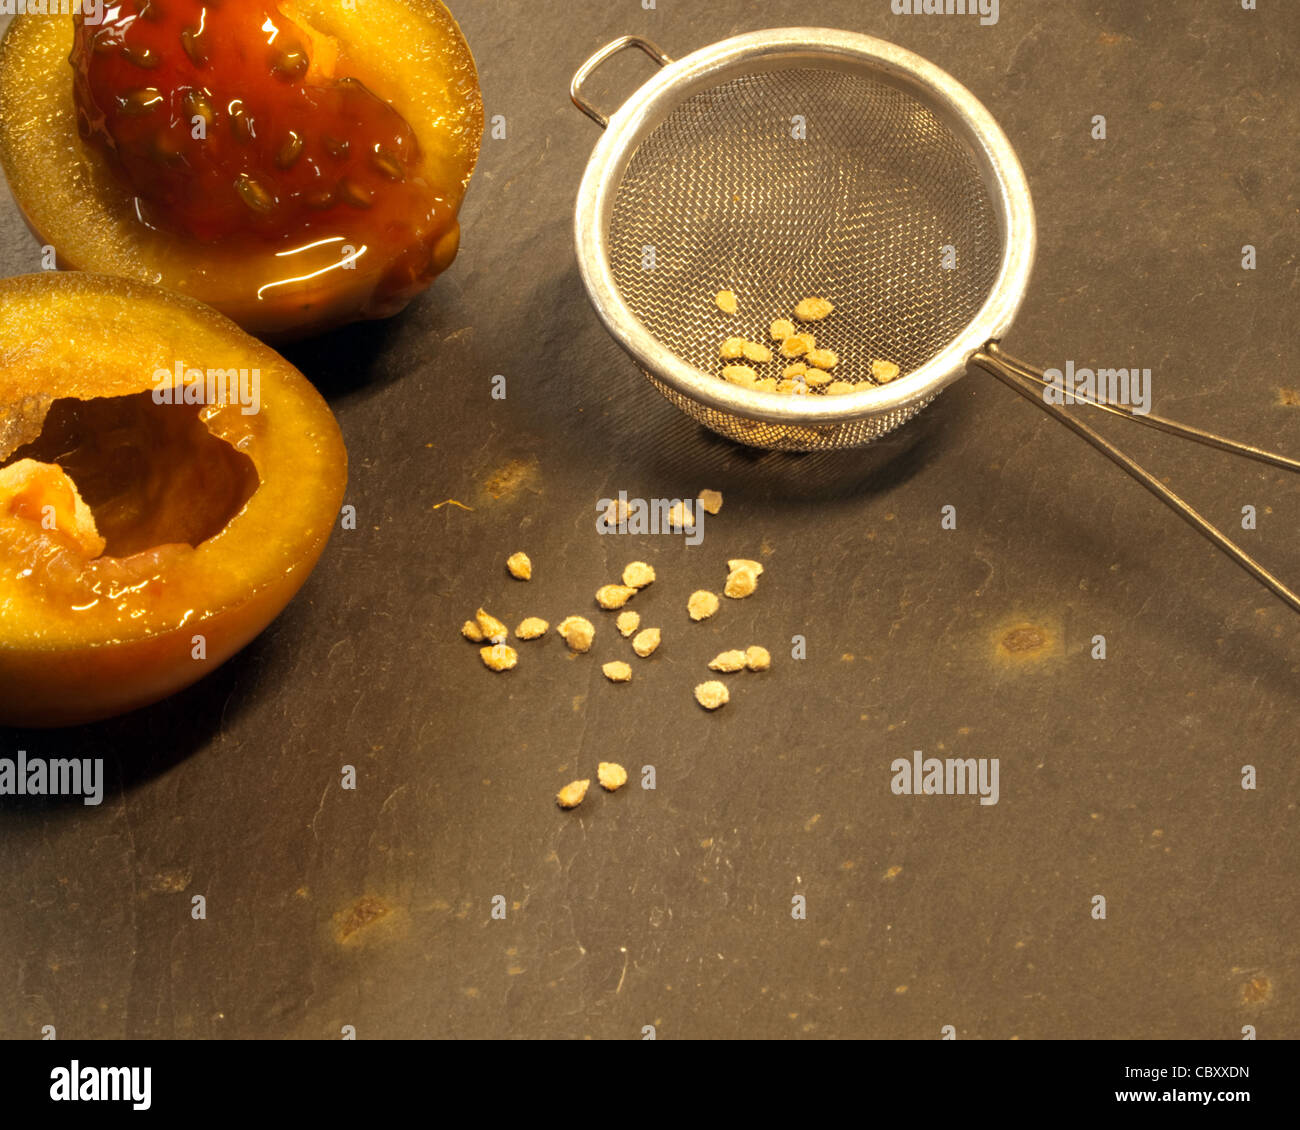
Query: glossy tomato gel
x: 227, y: 122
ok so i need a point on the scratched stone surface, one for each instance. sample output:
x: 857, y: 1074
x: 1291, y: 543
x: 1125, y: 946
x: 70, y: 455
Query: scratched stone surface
x: 672, y: 907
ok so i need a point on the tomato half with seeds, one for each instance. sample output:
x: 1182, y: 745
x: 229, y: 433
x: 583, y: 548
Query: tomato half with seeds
x: 295, y: 165
x: 167, y: 483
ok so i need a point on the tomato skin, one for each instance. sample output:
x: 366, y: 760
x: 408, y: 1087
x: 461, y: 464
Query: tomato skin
x: 70, y: 687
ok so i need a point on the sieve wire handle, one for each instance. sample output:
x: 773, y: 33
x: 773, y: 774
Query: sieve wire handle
x: 603, y: 55
x: 1029, y: 382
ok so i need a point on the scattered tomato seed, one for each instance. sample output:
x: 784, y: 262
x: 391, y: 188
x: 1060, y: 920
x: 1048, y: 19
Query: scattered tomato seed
x: 572, y: 794
x: 521, y: 568
x: 611, y: 775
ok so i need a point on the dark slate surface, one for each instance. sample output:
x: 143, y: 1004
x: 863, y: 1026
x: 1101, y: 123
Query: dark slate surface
x: 672, y: 907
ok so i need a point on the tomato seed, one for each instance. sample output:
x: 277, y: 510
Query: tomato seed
x: 290, y: 63
x: 241, y: 125
x: 290, y: 151
x: 357, y: 195
x: 254, y: 194
x: 142, y: 101
x: 197, y: 106
x: 196, y: 47
x: 141, y: 57
x: 384, y: 160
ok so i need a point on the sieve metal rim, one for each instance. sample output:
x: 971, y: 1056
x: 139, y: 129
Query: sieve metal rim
x: 776, y: 48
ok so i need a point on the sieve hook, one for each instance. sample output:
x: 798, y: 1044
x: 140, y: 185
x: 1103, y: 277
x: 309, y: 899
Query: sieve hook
x: 1029, y: 383
x: 605, y: 53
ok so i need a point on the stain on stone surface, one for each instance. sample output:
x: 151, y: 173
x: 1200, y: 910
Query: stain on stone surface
x: 1258, y: 990
x: 510, y: 477
x: 359, y: 916
x: 1028, y: 638
x: 1025, y: 643
x: 1289, y: 397
x: 170, y: 881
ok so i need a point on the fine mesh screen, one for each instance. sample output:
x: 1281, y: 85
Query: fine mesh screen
x: 858, y: 212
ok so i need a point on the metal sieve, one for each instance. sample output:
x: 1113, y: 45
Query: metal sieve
x: 800, y: 162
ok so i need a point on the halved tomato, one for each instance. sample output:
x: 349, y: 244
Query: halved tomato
x: 295, y: 165
x: 167, y: 483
